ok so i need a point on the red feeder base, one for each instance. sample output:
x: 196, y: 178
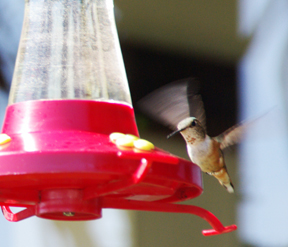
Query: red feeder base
x: 61, y: 165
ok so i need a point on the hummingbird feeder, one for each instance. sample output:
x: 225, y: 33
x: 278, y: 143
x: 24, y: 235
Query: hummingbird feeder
x: 69, y: 93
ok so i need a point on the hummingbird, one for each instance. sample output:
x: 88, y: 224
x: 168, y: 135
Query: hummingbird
x: 178, y: 106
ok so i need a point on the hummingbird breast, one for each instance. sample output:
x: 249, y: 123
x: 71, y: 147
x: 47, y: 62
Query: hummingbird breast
x: 206, y: 154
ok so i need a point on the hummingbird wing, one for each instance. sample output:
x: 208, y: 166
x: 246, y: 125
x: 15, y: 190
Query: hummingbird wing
x: 196, y: 108
x: 232, y: 135
x: 174, y: 102
x: 236, y: 133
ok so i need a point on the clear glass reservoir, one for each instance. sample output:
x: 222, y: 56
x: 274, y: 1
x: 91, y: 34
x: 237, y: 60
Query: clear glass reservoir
x: 69, y: 49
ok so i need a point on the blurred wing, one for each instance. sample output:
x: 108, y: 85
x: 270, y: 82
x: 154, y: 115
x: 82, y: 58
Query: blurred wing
x: 196, y: 106
x: 236, y: 133
x: 231, y: 136
x: 169, y: 104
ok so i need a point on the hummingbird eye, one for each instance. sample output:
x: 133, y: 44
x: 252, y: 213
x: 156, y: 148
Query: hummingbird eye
x: 193, y: 123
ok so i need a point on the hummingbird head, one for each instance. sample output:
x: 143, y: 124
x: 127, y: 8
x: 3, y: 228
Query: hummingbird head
x: 191, y: 130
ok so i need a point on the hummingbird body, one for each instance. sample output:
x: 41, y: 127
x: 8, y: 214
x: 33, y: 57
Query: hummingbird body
x: 205, y: 154
x: 204, y: 151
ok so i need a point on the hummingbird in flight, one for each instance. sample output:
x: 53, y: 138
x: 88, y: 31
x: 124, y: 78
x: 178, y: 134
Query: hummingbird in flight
x: 177, y: 106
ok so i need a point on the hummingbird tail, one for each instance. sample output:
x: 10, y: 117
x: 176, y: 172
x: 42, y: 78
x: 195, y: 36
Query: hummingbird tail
x: 229, y: 187
x: 224, y: 179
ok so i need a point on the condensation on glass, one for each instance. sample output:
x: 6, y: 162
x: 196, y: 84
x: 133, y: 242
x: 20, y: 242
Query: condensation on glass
x: 69, y: 49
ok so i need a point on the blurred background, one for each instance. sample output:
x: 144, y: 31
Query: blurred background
x: 214, y: 42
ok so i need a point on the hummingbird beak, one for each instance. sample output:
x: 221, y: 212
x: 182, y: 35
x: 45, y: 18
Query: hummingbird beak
x: 175, y: 132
